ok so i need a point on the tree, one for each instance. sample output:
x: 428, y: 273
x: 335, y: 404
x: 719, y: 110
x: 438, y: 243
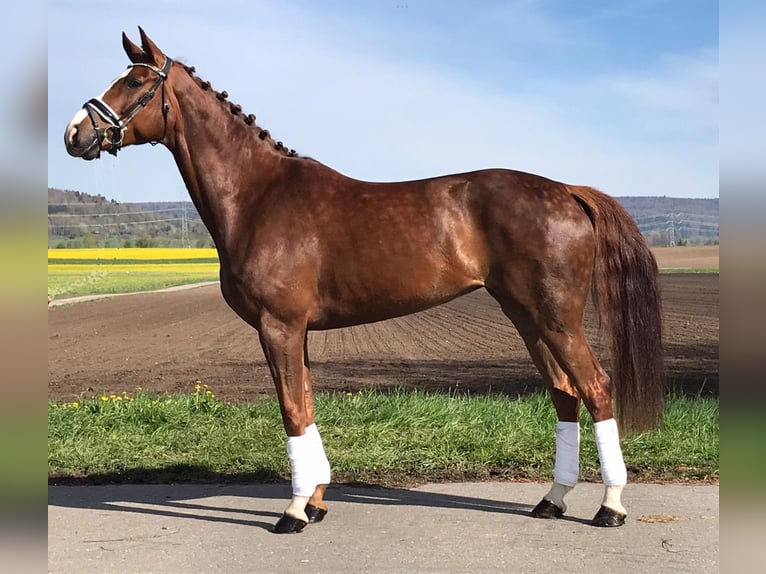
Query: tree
x: 89, y: 240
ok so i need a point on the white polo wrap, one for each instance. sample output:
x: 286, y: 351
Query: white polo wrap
x: 309, y: 466
x: 613, y: 471
x: 567, y: 468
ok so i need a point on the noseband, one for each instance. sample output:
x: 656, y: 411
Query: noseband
x: 118, y: 124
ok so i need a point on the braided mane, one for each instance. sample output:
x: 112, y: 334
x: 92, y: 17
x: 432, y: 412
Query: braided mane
x: 236, y: 110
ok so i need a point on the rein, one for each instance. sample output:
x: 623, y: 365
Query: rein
x: 114, y: 132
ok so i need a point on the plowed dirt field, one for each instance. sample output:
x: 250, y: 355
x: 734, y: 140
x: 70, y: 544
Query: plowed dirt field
x: 166, y: 342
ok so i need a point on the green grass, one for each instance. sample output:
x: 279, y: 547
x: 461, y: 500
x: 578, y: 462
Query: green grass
x: 114, y: 280
x: 708, y: 270
x: 396, y: 438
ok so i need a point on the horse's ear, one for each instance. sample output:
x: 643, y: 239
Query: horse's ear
x: 135, y: 54
x: 151, y: 49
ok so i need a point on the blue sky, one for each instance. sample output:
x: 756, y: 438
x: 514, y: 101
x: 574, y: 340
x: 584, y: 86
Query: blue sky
x: 618, y: 95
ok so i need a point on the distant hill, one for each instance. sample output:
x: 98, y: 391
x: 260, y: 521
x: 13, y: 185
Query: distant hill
x: 78, y: 219
x: 673, y: 220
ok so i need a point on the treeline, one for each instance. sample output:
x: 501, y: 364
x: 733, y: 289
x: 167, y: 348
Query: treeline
x: 77, y: 219
x: 80, y: 220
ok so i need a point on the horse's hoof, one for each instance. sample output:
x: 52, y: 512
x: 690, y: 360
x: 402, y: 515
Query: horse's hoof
x: 315, y: 513
x: 608, y: 518
x: 289, y: 525
x: 546, y: 509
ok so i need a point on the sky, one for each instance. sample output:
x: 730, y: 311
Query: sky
x: 622, y: 96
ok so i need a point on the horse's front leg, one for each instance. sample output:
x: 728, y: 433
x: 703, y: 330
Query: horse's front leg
x: 284, y: 345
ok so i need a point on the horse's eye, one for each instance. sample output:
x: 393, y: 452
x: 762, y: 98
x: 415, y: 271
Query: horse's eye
x: 133, y: 83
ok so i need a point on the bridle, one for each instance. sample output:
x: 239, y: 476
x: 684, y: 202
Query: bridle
x: 118, y: 124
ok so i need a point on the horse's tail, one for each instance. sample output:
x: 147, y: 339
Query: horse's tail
x: 626, y: 295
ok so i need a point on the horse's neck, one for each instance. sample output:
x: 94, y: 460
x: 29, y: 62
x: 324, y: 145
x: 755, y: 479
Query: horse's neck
x: 221, y: 160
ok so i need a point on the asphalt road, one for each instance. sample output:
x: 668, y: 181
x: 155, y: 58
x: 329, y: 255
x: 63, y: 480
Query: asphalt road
x: 438, y: 528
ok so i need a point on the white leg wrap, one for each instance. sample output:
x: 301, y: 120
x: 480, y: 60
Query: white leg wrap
x: 309, y: 466
x: 613, y: 471
x: 567, y: 468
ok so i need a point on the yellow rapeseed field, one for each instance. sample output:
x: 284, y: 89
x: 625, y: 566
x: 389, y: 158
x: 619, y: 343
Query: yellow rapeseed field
x: 74, y: 272
x: 111, y: 253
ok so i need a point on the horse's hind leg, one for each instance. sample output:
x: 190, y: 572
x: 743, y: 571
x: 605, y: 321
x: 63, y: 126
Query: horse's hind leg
x: 551, y: 323
x: 566, y: 401
x: 574, y: 355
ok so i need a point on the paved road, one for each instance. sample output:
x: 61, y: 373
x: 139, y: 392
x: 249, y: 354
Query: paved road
x: 440, y: 528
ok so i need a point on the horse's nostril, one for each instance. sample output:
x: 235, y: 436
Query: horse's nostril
x: 70, y: 137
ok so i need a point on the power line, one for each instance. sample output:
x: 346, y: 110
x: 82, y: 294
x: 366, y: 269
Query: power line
x: 75, y: 225
x: 114, y: 213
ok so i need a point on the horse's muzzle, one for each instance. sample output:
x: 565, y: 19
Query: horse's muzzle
x: 82, y: 143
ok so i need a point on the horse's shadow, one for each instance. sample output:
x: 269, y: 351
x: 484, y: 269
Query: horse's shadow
x: 173, y: 500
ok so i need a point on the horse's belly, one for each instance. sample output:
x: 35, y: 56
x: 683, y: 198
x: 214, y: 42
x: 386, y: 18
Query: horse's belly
x: 337, y: 312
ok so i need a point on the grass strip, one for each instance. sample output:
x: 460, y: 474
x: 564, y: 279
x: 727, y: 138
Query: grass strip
x: 691, y: 270
x: 75, y: 279
x: 386, y: 438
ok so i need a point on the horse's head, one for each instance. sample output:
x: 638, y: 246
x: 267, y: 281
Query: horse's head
x: 133, y: 109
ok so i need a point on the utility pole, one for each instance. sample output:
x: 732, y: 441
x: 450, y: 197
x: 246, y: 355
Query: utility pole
x: 672, y: 229
x: 184, y: 228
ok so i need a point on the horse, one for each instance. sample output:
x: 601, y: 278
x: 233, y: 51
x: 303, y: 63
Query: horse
x: 303, y: 247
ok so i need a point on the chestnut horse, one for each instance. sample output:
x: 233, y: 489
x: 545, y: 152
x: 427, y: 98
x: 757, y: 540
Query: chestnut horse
x: 303, y: 247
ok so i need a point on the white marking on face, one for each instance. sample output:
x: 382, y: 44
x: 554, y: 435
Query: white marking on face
x: 73, y: 125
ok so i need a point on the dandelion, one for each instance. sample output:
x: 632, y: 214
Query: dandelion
x: 104, y: 398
